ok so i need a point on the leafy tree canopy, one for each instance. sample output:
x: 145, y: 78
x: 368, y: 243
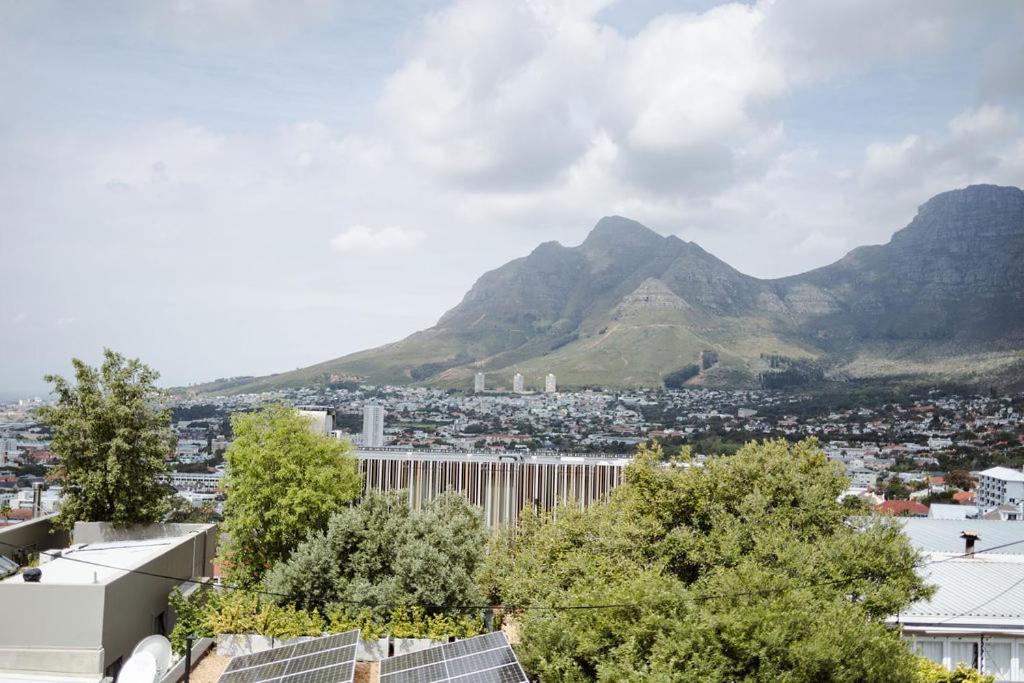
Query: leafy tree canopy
x: 112, y: 439
x: 382, y: 553
x: 743, y: 569
x: 282, y: 480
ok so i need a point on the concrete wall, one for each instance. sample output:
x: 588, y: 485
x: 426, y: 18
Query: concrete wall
x: 136, y: 603
x: 39, y: 533
x: 51, y: 628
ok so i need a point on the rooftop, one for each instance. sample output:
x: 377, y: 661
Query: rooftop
x: 943, y: 535
x: 978, y: 591
x: 1004, y: 473
x: 91, y: 563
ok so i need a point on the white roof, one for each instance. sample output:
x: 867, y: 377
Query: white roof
x: 943, y: 535
x: 983, y: 591
x: 1004, y: 473
x: 99, y: 562
x: 942, y: 511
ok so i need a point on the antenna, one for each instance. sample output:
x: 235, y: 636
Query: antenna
x: 160, y: 648
x: 140, y: 668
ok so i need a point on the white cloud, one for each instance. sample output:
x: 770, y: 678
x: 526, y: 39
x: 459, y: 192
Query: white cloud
x: 360, y: 237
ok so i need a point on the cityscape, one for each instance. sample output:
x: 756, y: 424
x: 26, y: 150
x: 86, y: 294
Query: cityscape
x: 512, y: 341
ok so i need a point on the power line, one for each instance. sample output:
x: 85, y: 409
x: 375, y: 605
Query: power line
x: 514, y: 607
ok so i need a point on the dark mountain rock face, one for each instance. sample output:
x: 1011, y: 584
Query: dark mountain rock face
x: 628, y: 306
x: 955, y: 273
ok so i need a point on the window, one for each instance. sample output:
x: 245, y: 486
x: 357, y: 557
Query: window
x: 998, y: 659
x: 929, y: 649
x: 965, y: 651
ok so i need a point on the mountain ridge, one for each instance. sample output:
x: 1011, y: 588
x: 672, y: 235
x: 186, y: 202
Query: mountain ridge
x: 628, y: 306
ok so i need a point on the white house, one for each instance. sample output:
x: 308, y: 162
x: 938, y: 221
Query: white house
x: 977, y: 613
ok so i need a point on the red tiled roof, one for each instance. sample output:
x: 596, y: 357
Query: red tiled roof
x: 902, y: 508
x: 964, y: 497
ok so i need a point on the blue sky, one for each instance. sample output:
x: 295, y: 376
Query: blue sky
x: 228, y: 187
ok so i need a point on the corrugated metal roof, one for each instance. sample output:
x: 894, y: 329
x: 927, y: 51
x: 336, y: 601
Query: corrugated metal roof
x: 943, y: 535
x: 988, y: 589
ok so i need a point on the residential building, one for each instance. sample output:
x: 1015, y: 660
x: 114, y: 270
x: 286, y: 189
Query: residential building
x: 1000, y: 486
x: 975, y: 617
x: 373, y: 425
x: 550, y: 384
x: 95, y: 600
x: 479, y: 382
x: 517, y: 383
x: 903, y: 508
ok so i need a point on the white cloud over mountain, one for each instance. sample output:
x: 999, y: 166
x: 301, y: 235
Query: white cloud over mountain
x: 221, y: 153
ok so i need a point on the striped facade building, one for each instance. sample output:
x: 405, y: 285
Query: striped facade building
x: 501, y: 484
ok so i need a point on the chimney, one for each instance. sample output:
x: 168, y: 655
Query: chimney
x: 969, y: 538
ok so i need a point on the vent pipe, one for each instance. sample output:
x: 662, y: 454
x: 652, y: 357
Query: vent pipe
x: 969, y: 538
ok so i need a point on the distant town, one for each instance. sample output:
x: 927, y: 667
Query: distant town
x: 919, y: 456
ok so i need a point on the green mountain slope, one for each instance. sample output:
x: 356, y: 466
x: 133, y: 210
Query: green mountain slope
x: 945, y: 297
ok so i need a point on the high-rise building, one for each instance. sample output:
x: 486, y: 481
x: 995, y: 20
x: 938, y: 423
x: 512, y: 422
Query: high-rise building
x: 550, y: 386
x: 373, y: 425
x: 517, y: 383
x: 479, y: 382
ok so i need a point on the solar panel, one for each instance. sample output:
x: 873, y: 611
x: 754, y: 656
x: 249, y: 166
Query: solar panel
x: 487, y: 659
x: 330, y: 659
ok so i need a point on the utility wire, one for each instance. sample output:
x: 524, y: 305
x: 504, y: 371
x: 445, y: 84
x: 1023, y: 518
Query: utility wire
x: 514, y: 607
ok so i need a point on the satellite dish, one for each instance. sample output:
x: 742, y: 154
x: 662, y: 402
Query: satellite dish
x: 140, y: 668
x: 160, y: 648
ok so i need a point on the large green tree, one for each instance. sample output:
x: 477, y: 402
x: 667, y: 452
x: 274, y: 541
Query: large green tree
x: 283, y: 480
x: 744, y: 569
x: 112, y: 439
x: 382, y: 553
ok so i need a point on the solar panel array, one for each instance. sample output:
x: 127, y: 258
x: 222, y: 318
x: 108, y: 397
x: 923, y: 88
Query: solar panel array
x: 331, y: 659
x: 483, y: 659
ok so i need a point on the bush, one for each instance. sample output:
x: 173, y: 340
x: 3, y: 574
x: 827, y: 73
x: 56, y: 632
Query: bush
x: 930, y: 672
x: 383, y: 554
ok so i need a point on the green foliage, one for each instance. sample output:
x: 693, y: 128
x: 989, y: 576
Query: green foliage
x: 930, y: 672
x: 744, y: 569
x: 283, y: 480
x: 111, y: 441
x: 381, y: 553
x: 190, y: 618
x: 678, y: 379
x: 241, y: 612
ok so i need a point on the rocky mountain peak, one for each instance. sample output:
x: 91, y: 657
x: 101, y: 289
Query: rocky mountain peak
x: 616, y: 231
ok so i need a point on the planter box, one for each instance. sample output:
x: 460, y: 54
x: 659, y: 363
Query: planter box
x: 404, y: 646
x: 235, y: 644
x: 372, y: 650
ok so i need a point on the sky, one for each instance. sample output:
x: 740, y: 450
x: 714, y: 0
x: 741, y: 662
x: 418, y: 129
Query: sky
x: 240, y: 187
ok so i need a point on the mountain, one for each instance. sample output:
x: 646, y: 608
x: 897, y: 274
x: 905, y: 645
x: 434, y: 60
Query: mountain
x: 943, y: 300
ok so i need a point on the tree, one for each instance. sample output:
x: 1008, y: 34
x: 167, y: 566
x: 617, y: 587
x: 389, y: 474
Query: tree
x: 381, y: 553
x: 111, y: 439
x: 283, y: 480
x: 744, y: 569
x: 5, y: 510
x: 960, y: 479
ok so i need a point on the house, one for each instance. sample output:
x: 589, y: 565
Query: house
x: 977, y: 613
x: 964, y: 497
x: 96, y: 599
x: 903, y: 508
